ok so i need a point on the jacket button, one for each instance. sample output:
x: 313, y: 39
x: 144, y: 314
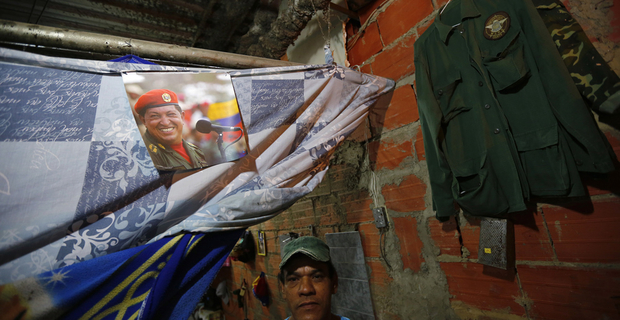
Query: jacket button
x: 496, y: 130
x: 579, y: 162
x: 440, y: 92
x: 486, y: 106
x: 480, y: 83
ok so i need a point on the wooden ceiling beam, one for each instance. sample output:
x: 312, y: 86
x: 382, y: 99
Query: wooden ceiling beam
x: 17, y: 32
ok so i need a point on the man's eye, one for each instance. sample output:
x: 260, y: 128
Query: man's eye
x: 318, y: 277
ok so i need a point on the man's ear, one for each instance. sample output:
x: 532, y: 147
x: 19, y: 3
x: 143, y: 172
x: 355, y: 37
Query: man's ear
x: 141, y: 117
x: 335, y: 283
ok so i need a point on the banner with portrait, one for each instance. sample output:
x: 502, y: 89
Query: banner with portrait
x: 77, y: 182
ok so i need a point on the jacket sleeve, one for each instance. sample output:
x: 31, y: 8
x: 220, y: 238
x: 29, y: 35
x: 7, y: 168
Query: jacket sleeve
x: 564, y: 98
x: 430, y: 122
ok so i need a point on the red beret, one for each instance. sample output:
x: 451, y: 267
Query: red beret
x: 156, y: 98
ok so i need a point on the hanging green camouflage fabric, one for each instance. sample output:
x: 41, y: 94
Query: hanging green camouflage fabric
x: 597, y: 83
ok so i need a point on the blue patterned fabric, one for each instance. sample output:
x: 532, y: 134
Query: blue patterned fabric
x: 130, y: 58
x: 160, y: 280
x: 77, y: 184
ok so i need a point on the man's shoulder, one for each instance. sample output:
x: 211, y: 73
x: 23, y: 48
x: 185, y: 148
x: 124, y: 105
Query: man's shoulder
x: 192, y: 147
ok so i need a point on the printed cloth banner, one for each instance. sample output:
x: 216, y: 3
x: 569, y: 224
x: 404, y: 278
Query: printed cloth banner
x: 77, y: 183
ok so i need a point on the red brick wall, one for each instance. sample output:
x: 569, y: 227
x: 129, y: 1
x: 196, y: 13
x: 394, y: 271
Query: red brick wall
x: 567, y: 252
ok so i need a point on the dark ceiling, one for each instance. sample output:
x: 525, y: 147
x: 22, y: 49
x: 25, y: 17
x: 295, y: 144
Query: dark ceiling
x: 251, y: 27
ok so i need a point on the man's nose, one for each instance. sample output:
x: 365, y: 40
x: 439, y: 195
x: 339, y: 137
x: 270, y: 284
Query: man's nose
x: 164, y: 120
x: 306, y: 287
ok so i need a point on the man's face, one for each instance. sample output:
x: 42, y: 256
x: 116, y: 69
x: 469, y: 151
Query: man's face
x: 308, y: 288
x: 165, y: 124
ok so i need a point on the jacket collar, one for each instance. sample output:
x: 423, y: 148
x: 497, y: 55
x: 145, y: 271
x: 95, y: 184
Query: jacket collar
x: 468, y: 10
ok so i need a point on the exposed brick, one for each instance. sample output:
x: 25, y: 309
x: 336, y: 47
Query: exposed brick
x: 342, y: 176
x: 422, y: 29
x: 366, y: 46
x: 401, y: 16
x: 410, y: 244
x: 473, y: 285
x: 586, y: 232
x: 268, y: 225
x: 402, y: 110
x: 302, y: 222
x: 370, y: 240
x: 271, y: 242
x: 378, y: 274
x: 299, y: 214
x: 532, y: 241
x: 258, y: 264
x: 470, y: 233
x: 441, y: 3
x: 446, y: 236
x: 396, y: 62
x: 389, y: 154
x: 272, y: 262
x: 571, y: 293
x: 358, y: 206
x: 327, y: 211
x: 232, y: 310
x: 419, y: 145
x: 408, y: 196
x: 367, y: 10
x: 366, y: 69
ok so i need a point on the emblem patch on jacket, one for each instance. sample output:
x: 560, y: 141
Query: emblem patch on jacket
x: 153, y: 148
x: 497, y: 25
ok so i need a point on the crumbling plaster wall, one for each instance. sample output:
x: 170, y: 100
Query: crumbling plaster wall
x: 567, y: 252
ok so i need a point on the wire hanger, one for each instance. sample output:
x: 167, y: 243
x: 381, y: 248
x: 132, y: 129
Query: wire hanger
x: 444, y: 8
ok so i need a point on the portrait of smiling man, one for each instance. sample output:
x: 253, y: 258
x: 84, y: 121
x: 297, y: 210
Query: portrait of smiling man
x: 162, y: 116
x: 308, y: 279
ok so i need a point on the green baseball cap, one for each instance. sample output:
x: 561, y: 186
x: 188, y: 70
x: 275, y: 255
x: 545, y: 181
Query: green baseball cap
x: 312, y: 247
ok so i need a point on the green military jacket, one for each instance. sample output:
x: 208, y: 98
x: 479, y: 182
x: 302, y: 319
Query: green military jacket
x: 500, y: 115
x: 168, y: 159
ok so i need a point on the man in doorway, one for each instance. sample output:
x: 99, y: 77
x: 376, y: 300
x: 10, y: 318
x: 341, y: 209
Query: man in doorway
x: 162, y: 116
x: 308, y: 279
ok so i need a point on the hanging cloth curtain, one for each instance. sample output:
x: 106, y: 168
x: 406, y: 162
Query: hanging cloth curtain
x: 80, y: 197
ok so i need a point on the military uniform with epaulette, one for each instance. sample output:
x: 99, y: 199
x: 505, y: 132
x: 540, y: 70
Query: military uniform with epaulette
x: 168, y: 159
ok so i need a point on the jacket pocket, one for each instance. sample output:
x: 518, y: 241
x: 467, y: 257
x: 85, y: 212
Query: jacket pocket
x: 476, y: 188
x: 544, y: 162
x: 509, y: 69
x: 450, y: 102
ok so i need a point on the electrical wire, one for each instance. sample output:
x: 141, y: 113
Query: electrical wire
x: 382, y: 247
x: 373, y: 187
x: 327, y: 18
x: 42, y: 10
